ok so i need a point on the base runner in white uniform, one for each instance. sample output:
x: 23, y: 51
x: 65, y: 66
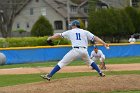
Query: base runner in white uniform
x: 96, y: 55
x: 79, y: 40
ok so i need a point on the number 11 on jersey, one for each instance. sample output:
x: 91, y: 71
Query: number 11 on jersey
x: 78, y: 37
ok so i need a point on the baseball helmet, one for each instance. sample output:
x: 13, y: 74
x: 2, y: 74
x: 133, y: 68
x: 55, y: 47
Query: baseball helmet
x: 75, y: 23
x: 95, y: 47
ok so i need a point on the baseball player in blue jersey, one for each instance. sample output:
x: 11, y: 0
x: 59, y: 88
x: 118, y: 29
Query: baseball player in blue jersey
x: 79, y: 40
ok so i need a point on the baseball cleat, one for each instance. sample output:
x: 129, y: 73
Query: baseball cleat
x: 47, y: 77
x: 102, y: 74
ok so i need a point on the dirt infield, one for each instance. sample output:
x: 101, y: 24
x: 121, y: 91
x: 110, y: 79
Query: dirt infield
x: 83, y: 84
x: 111, y: 67
x: 79, y: 85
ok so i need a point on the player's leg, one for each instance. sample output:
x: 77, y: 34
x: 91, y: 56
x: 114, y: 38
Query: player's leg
x: 95, y: 60
x: 102, y: 63
x: 87, y: 59
x: 70, y: 56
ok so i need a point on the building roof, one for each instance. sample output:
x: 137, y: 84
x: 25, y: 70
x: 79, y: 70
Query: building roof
x: 57, y: 7
x: 22, y: 6
x: 60, y: 6
x: 116, y: 3
x: 83, y: 3
x: 65, y: 2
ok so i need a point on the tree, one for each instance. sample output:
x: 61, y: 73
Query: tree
x: 135, y: 17
x: 42, y: 27
x: 92, y: 8
x: 8, y: 10
x: 112, y: 23
x: 124, y: 25
x: 82, y: 25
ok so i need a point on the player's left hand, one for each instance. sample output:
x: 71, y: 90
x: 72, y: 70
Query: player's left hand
x: 102, y: 66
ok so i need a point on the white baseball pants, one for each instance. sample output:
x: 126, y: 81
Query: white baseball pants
x: 74, y: 54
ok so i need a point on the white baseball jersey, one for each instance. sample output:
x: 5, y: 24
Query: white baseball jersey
x: 79, y: 39
x: 132, y: 40
x: 99, y: 55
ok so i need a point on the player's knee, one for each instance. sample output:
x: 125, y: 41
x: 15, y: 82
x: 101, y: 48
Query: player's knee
x: 60, y: 65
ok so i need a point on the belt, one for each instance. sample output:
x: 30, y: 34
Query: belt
x: 79, y: 47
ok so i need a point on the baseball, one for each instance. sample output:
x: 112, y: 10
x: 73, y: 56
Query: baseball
x: 2, y: 59
x: 107, y: 47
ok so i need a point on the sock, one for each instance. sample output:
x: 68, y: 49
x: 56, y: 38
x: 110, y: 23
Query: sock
x: 96, y: 67
x: 55, y: 69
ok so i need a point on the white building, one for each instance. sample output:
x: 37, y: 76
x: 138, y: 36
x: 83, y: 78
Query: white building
x: 56, y: 11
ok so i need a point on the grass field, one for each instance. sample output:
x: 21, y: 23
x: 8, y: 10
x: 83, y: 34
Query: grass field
x: 129, y: 91
x: 10, y: 80
x: 123, y: 60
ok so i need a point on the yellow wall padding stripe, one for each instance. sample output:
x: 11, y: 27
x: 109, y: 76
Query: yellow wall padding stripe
x: 57, y: 46
x: 18, y: 48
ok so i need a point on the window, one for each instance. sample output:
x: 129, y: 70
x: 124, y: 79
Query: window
x: 43, y: 11
x: 18, y: 25
x: 27, y: 25
x: 58, y: 25
x: 135, y: 3
x: 31, y: 11
x: 85, y: 9
x: 73, y: 9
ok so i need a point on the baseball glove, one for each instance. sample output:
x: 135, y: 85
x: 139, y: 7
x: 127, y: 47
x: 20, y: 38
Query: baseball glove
x: 102, y: 65
x: 50, y: 42
x: 92, y: 42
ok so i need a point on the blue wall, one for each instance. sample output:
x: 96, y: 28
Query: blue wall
x: 121, y: 50
x: 56, y: 53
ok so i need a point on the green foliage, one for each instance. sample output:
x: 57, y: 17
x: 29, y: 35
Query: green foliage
x: 26, y: 41
x: 126, y: 91
x: 61, y: 41
x: 127, y: 25
x: 92, y: 6
x: 3, y: 42
x: 20, y: 31
x: 82, y: 25
x: 135, y: 17
x: 29, y: 41
x: 42, y: 27
x: 114, y: 23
